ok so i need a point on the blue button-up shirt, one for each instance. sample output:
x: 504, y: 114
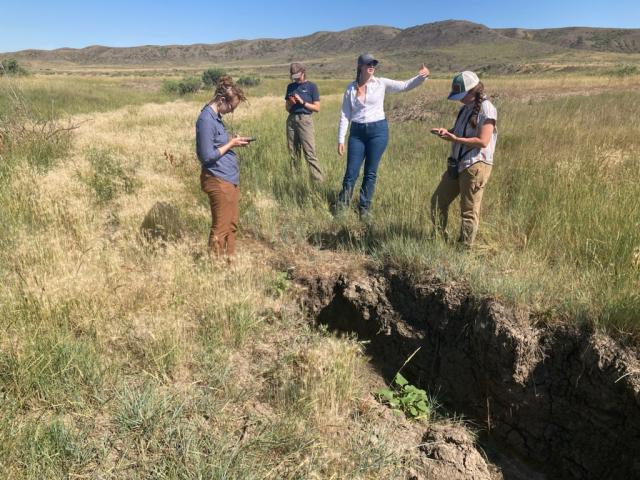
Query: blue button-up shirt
x: 211, y: 134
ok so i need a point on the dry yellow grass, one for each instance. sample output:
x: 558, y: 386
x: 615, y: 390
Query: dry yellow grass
x: 174, y: 344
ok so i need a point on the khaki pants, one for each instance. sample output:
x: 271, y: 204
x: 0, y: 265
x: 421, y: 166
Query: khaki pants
x: 470, y: 186
x: 301, y: 136
x: 224, y: 198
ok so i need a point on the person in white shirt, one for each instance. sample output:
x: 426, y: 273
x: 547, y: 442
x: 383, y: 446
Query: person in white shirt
x: 473, y: 138
x: 363, y: 106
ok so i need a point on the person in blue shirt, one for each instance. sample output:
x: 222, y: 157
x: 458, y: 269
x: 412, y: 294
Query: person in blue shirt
x: 220, y: 175
x: 302, y: 99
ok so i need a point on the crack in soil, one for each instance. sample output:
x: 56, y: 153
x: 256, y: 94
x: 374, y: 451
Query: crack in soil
x: 560, y: 397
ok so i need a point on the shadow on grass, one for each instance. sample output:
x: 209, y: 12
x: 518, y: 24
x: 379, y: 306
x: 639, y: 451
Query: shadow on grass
x: 365, y: 237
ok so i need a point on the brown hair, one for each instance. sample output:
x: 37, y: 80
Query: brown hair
x: 358, y: 75
x: 479, y: 97
x: 226, y: 88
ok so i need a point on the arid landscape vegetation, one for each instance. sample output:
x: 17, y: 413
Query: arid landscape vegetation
x: 127, y: 353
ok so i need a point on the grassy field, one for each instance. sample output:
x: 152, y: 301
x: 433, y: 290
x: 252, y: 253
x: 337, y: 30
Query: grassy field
x: 123, y: 358
x: 559, y: 230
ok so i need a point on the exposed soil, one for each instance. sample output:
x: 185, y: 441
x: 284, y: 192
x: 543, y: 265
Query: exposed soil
x: 564, y: 399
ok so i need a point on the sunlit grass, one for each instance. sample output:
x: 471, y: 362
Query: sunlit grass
x: 129, y: 358
x: 560, y: 218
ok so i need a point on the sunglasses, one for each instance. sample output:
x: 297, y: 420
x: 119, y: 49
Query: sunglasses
x: 371, y: 65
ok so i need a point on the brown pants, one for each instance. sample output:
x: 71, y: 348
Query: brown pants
x: 224, y: 198
x: 301, y: 136
x: 470, y: 186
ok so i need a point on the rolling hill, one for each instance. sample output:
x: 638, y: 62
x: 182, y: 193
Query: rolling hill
x: 582, y: 38
x: 449, y: 45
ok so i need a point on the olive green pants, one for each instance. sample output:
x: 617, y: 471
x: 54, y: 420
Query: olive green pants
x: 470, y: 186
x: 301, y: 138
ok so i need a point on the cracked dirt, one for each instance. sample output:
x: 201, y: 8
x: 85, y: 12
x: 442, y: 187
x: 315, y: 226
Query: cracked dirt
x: 565, y: 400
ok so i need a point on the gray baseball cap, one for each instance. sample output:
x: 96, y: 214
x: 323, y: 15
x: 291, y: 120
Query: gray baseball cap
x: 366, y: 59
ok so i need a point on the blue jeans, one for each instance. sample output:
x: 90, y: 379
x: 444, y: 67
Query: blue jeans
x: 367, y: 142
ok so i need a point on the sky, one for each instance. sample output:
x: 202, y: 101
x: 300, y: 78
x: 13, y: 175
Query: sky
x: 118, y: 23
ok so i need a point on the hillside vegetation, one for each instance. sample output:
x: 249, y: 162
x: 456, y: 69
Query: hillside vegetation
x: 447, y: 45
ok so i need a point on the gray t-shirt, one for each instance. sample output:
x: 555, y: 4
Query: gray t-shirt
x: 463, y: 128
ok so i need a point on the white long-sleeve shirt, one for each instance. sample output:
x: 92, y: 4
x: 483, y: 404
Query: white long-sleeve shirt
x: 372, y: 110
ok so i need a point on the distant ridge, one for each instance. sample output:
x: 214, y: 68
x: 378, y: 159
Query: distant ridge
x: 618, y: 40
x: 448, y: 44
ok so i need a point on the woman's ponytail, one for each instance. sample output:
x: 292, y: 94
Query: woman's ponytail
x: 479, y: 97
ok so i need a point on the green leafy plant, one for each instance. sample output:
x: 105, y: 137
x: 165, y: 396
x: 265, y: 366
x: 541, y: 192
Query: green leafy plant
x: 406, y: 398
x: 280, y: 285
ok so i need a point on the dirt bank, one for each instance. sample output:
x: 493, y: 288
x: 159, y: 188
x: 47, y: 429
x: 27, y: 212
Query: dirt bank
x: 565, y: 399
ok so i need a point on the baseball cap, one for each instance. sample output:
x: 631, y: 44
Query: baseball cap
x: 462, y: 83
x: 296, y: 70
x: 366, y: 59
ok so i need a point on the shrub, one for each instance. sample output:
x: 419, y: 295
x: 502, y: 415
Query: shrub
x: 109, y: 177
x: 249, y: 81
x: 189, y: 85
x: 170, y: 86
x: 211, y: 76
x: 11, y: 67
x: 625, y: 71
x: 28, y: 135
x: 182, y: 87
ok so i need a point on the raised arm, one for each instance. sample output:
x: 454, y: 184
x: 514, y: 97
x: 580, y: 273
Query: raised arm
x: 395, y: 86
